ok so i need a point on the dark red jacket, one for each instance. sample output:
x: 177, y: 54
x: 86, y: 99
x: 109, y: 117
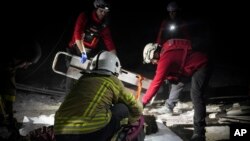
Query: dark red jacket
x: 80, y: 26
x: 176, y: 60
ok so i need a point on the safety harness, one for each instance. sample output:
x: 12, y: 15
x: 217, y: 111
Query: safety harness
x: 92, y: 31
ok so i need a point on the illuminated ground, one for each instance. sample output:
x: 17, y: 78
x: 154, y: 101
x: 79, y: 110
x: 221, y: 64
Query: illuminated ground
x: 36, y: 109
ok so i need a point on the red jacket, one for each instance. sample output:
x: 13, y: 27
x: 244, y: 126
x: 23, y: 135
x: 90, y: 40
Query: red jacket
x: 176, y: 59
x: 81, y: 25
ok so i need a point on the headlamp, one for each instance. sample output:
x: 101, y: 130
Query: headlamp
x: 172, y: 27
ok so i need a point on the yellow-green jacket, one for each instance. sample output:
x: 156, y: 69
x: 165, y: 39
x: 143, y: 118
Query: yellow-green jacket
x: 86, y: 108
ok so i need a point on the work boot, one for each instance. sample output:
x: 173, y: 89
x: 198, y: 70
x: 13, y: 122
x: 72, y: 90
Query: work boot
x: 198, y: 137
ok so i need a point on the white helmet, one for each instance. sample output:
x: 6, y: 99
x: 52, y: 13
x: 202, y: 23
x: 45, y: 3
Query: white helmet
x: 107, y: 63
x: 102, y: 4
x: 172, y: 6
x: 148, y: 52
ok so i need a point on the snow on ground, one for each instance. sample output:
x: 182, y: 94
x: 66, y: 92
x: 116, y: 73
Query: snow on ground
x: 37, y: 110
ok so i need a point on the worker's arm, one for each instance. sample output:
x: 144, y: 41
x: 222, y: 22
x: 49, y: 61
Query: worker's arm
x: 79, y: 35
x: 134, y: 105
x: 81, y: 47
x: 163, y: 67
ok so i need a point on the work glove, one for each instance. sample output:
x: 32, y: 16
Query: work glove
x: 84, y: 57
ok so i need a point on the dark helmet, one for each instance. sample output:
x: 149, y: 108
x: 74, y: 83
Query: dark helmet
x: 28, y: 51
x: 102, y: 4
x: 172, y: 6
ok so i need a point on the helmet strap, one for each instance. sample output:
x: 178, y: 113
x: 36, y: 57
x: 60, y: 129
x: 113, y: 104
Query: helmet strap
x: 97, y: 60
x: 157, y: 52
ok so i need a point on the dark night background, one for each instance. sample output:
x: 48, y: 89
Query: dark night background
x: 221, y: 27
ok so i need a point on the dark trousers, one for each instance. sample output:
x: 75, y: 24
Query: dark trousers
x: 198, y: 85
x: 199, y: 81
x: 119, y: 112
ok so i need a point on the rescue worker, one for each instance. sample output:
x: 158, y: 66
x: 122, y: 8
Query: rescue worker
x: 90, y: 27
x: 97, y: 105
x: 173, y: 26
x: 19, y: 57
x: 178, y: 64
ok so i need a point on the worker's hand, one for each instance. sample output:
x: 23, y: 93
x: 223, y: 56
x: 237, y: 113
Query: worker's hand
x: 84, y: 57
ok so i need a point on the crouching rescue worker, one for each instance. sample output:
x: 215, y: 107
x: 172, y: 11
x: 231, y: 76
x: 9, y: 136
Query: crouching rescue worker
x: 97, y: 105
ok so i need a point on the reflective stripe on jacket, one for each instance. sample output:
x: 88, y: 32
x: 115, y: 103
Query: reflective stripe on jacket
x: 86, y: 108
